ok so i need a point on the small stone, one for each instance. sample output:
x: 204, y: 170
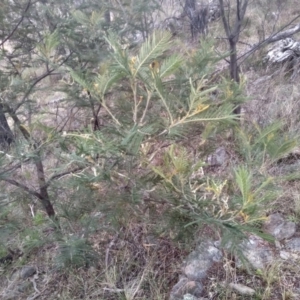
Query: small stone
x: 185, y: 286
x: 293, y: 244
x: 278, y: 244
x: 200, y: 261
x: 189, y: 297
x: 284, y: 255
x: 279, y: 228
x: 257, y: 251
x: 217, y: 244
x: 27, y: 271
x: 218, y: 158
x: 242, y: 289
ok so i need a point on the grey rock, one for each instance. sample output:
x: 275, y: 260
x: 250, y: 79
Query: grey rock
x: 242, y: 289
x: 258, y: 252
x: 279, y: 228
x: 293, y: 244
x: 195, y: 269
x: 201, y: 260
x: 284, y: 255
x: 218, y: 158
x: 185, y: 286
x: 27, y: 272
x: 191, y: 297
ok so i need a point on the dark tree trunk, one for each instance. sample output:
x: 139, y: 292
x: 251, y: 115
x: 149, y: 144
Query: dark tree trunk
x: 45, y: 199
x: 234, y: 68
x: 43, y: 195
x: 6, y: 135
x: 232, y: 33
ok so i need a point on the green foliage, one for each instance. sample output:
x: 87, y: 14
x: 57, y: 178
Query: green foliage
x: 33, y: 240
x: 253, y: 200
x: 150, y: 108
x: 75, y: 252
x: 39, y: 219
x: 159, y: 109
x: 264, y: 146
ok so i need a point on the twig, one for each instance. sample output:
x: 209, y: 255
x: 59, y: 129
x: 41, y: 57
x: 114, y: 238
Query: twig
x: 57, y: 176
x: 114, y: 290
x: 34, y: 285
x: 18, y: 24
x: 48, y: 73
x: 111, y: 244
x: 24, y: 187
x: 280, y: 34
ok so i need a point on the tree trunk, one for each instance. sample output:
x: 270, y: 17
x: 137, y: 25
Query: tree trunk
x: 234, y: 68
x: 6, y: 135
x: 232, y: 33
x: 43, y: 195
x: 45, y: 199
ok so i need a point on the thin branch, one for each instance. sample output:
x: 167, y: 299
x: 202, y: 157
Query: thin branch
x: 48, y: 73
x: 24, y: 187
x: 57, y: 176
x: 17, y: 166
x: 225, y: 23
x: 18, y: 24
x: 280, y: 34
x: 284, y: 34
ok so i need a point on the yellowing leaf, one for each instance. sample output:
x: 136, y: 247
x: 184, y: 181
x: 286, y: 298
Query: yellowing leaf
x: 154, y: 66
x: 200, y: 108
x: 132, y: 64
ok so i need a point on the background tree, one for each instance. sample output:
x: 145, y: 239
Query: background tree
x: 232, y: 18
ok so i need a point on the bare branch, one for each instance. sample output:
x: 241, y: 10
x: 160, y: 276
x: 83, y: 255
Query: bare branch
x: 280, y: 34
x: 284, y: 34
x: 48, y: 73
x: 57, y: 176
x: 18, y: 24
x: 225, y: 23
x: 24, y: 187
x: 240, y: 14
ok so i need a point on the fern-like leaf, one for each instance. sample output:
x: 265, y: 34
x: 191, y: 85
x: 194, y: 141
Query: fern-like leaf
x: 152, y: 48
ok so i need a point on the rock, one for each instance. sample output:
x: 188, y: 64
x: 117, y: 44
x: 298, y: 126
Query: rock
x: 284, y: 255
x: 279, y: 228
x: 191, y: 297
x: 195, y: 269
x: 242, y: 289
x: 257, y: 251
x: 218, y: 158
x: 293, y: 244
x: 185, y: 286
x: 27, y: 271
x: 200, y: 261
